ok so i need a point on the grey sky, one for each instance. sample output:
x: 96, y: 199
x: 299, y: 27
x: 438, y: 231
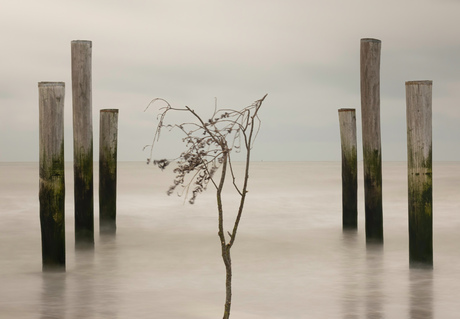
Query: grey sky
x: 304, y: 54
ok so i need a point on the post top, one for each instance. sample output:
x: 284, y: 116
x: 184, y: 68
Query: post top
x: 109, y: 110
x: 422, y: 82
x: 370, y: 40
x: 82, y: 42
x: 40, y: 84
x: 347, y: 110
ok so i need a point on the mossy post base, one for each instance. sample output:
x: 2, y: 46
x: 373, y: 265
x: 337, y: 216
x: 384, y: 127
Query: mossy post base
x: 108, y: 171
x: 347, y: 120
x: 372, y: 158
x: 419, y: 170
x: 83, y: 143
x: 52, y: 183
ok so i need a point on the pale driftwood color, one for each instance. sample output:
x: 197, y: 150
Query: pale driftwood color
x: 372, y: 157
x: 52, y: 183
x: 347, y: 121
x: 108, y: 137
x: 83, y: 142
x: 419, y: 170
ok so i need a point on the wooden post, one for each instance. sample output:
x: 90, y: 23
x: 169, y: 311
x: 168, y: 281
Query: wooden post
x: 83, y: 142
x: 419, y: 170
x: 108, y: 170
x: 372, y: 158
x: 52, y: 186
x: 347, y: 119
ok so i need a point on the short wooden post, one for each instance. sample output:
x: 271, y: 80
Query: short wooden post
x: 372, y: 158
x: 347, y: 119
x: 83, y: 142
x: 419, y: 170
x: 108, y: 170
x: 52, y: 186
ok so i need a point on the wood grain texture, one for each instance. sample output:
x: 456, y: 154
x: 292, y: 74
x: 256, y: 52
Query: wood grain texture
x: 108, y: 139
x: 51, y: 172
x: 420, y: 172
x: 372, y: 157
x: 347, y: 121
x: 83, y: 142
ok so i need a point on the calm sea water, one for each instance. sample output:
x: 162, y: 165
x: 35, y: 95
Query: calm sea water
x: 291, y: 258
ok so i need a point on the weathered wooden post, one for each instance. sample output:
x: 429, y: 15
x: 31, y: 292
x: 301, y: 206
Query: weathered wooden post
x: 372, y: 157
x: 347, y: 119
x: 419, y: 171
x: 52, y: 186
x: 108, y: 137
x: 83, y: 142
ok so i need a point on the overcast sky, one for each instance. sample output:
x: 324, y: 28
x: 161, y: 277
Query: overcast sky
x: 304, y: 54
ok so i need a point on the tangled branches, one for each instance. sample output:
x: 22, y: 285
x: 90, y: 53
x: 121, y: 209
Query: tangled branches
x: 208, y: 148
x: 208, y: 144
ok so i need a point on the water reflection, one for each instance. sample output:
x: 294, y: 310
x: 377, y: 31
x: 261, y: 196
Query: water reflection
x: 83, y: 284
x: 421, y: 294
x: 53, y: 303
x: 373, y: 286
x: 108, y: 278
x: 87, y: 290
x: 362, y: 278
x: 351, y: 275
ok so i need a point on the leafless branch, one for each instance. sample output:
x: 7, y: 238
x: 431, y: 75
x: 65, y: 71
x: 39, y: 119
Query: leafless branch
x: 208, y: 147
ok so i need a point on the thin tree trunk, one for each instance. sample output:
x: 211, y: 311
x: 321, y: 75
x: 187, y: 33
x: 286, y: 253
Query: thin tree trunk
x: 228, y: 280
x: 224, y: 246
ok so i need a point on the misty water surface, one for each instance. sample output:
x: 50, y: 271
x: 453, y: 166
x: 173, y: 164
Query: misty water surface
x: 291, y: 259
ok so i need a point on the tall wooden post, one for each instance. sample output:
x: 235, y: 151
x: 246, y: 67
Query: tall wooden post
x: 52, y: 186
x: 347, y: 119
x: 83, y: 142
x: 372, y: 158
x: 108, y: 137
x: 419, y: 170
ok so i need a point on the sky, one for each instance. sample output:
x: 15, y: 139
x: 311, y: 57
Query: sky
x: 304, y: 54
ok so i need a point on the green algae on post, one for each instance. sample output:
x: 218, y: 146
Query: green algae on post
x: 83, y: 142
x: 420, y: 172
x: 52, y: 183
x: 347, y: 119
x: 372, y: 158
x: 108, y: 137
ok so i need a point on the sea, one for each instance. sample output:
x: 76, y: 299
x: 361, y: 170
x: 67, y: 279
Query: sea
x: 291, y: 258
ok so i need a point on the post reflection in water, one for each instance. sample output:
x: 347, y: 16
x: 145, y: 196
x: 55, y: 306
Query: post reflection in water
x: 362, y: 278
x: 88, y: 289
x: 83, y: 284
x: 53, y: 303
x: 421, y: 294
x: 109, y: 262
x: 94, y: 281
x: 351, y: 275
x: 374, y: 275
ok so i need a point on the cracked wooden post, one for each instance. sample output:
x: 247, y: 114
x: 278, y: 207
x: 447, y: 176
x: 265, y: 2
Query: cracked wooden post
x: 372, y: 157
x: 108, y: 137
x: 347, y: 119
x: 52, y: 186
x: 83, y: 143
x: 419, y: 171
